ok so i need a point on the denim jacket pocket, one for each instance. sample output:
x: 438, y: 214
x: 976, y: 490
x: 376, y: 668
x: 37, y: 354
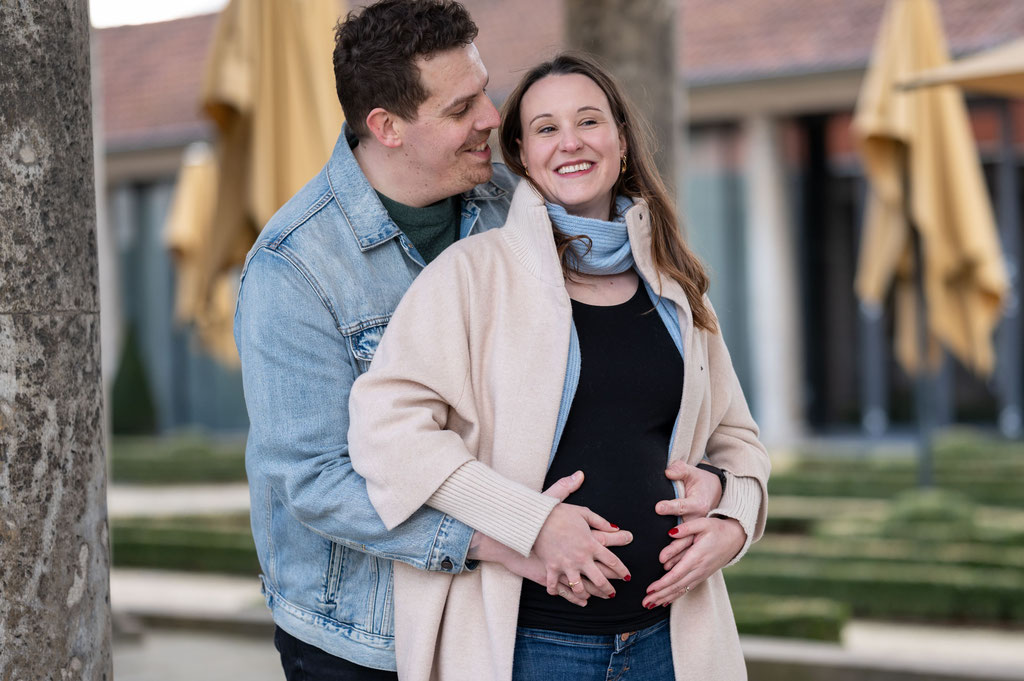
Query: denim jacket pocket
x: 363, y: 339
x: 335, y: 571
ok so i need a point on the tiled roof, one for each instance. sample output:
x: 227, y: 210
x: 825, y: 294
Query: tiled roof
x: 152, y: 72
x: 151, y: 76
x: 753, y: 39
x: 514, y: 36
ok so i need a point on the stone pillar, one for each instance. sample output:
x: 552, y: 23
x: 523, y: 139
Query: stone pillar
x: 54, y: 558
x: 772, y: 286
x: 636, y: 41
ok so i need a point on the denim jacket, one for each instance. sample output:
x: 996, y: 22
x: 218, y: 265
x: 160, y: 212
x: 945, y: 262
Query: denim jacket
x: 317, y: 291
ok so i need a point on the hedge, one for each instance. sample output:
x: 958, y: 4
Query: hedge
x: 196, y: 544
x: 187, y: 458
x: 222, y: 544
x: 876, y: 589
x: 895, y: 551
x: 820, y: 619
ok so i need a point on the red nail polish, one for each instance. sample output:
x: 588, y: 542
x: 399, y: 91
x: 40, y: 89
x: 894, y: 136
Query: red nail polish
x: 614, y: 526
x: 650, y: 591
x: 674, y: 531
x: 613, y: 595
x: 627, y: 578
x: 650, y: 606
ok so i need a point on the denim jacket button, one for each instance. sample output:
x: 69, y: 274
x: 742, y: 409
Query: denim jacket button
x: 447, y: 564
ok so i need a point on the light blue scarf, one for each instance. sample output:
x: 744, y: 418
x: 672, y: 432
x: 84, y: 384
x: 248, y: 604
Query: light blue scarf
x: 609, y: 254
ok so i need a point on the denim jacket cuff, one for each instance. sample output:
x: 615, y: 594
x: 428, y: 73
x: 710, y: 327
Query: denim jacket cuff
x: 448, y: 554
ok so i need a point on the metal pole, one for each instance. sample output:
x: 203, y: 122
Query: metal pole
x: 874, y: 402
x: 924, y: 381
x: 1008, y: 372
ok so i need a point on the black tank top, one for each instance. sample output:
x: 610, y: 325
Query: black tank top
x: 618, y: 434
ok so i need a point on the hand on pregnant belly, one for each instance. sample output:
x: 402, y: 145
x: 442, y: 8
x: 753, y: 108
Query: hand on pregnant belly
x: 567, y: 547
x: 715, y: 541
x: 532, y: 568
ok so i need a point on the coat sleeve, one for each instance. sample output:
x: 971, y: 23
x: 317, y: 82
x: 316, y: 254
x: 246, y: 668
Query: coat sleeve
x: 400, y: 411
x: 734, y: 447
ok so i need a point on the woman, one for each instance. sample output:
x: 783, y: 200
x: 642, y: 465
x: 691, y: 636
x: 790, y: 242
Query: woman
x: 557, y: 343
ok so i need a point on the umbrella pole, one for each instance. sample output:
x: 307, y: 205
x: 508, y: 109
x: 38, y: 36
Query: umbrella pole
x: 924, y: 380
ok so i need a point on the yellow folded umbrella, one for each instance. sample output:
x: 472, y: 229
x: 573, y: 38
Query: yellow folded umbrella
x: 188, y: 220
x: 269, y: 87
x: 998, y: 71
x: 922, y: 165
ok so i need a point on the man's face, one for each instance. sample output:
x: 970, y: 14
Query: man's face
x: 446, y: 146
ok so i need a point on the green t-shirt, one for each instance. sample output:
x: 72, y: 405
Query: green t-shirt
x: 431, y: 228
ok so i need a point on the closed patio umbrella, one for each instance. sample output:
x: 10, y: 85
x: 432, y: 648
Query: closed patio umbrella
x: 925, y: 175
x: 269, y: 88
x: 998, y: 71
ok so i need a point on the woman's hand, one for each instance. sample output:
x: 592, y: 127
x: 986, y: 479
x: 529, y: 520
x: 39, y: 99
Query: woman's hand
x: 707, y: 545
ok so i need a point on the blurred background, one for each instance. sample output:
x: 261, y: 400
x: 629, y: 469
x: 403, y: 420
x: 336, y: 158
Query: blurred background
x: 895, y: 547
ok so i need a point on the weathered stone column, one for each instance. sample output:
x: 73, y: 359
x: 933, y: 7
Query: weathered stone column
x: 636, y: 40
x: 54, y: 564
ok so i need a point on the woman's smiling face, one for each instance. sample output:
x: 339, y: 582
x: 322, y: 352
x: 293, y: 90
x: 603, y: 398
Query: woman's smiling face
x: 571, y: 144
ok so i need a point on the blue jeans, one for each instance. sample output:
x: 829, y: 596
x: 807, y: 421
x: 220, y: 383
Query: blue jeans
x: 644, y: 655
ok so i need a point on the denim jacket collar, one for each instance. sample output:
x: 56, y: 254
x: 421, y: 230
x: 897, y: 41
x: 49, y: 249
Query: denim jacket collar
x: 370, y: 223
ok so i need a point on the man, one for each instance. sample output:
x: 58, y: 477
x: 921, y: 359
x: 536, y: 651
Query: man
x: 410, y: 174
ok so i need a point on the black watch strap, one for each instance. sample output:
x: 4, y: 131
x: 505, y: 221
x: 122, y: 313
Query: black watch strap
x: 716, y: 470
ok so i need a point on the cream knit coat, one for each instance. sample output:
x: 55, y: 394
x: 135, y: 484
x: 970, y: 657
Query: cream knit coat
x: 458, y: 411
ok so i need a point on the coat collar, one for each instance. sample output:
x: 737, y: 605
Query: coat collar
x: 528, y: 232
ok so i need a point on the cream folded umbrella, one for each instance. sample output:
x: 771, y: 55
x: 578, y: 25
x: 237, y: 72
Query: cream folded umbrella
x: 269, y: 87
x: 998, y: 71
x: 924, y: 174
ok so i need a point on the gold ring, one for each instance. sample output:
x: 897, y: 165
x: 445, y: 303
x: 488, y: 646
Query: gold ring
x: 686, y: 588
x: 573, y: 585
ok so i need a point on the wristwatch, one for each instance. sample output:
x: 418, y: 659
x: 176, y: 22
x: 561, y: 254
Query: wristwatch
x: 716, y: 470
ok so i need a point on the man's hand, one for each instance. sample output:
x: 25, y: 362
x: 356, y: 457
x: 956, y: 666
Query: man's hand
x: 715, y: 541
x: 702, y: 491
x: 566, y: 546
x: 484, y: 548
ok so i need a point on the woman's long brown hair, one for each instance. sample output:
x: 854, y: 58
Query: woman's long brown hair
x: 641, y: 180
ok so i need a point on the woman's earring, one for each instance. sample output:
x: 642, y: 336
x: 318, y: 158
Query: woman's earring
x: 622, y: 168
x: 526, y: 170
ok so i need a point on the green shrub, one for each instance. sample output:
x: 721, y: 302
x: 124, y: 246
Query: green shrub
x: 876, y: 589
x: 177, y: 459
x: 819, y: 619
x: 932, y: 514
x: 220, y: 544
x: 896, y: 552
x: 132, y: 409
x: 983, y: 467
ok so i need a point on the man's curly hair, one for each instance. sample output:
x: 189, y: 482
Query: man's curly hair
x: 375, y: 53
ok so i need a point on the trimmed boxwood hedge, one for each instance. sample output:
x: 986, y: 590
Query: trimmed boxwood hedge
x: 983, y: 467
x: 177, y: 459
x: 191, y: 543
x: 222, y: 544
x: 820, y: 619
x: 880, y: 589
x: 896, y: 551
